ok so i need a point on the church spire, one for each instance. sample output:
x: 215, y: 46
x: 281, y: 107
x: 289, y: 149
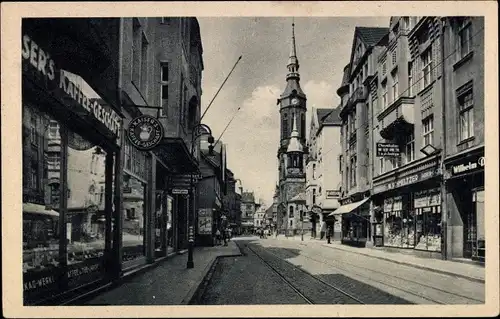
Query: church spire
x: 295, y: 145
x: 293, y: 61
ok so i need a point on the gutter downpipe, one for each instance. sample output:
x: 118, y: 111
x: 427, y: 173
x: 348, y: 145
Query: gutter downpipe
x: 444, y: 209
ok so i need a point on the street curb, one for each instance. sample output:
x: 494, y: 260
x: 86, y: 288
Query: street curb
x: 197, y: 290
x: 444, y: 272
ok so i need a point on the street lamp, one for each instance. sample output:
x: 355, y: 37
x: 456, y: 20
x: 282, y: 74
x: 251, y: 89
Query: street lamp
x: 302, y: 224
x: 198, y: 130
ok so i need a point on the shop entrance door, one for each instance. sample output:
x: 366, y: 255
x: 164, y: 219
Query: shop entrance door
x: 470, y: 222
x: 181, y: 221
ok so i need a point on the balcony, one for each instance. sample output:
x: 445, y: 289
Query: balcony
x: 397, y: 119
x: 359, y: 95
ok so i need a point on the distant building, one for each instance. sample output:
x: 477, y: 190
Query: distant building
x: 323, y: 175
x: 248, y: 209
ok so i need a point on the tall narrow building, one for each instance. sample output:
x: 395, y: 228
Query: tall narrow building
x: 292, y: 102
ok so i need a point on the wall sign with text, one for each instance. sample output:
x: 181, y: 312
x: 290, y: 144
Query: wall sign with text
x: 388, y: 149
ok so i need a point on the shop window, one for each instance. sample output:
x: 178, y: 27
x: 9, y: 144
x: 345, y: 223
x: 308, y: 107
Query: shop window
x: 164, y: 81
x: 427, y: 63
x: 466, y: 115
x: 33, y: 130
x: 85, y: 227
x: 134, y: 218
x: 479, y: 245
x: 428, y: 130
x: 40, y: 212
x: 464, y: 39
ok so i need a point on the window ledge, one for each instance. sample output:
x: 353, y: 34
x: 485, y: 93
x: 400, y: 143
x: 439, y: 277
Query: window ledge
x: 462, y: 61
x: 467, y: 143
x: 426, y: 88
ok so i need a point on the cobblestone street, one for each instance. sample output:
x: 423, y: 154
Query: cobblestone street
x: 284, y: 271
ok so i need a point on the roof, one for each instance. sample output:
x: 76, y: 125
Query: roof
x: 371, y: 35
x: 298, y: 198
x: 247, y: 197
x: 295, y: 145
x: 269, y: 211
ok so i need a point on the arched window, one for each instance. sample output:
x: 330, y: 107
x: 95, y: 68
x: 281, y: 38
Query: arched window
x: 284, y: 127
x: 290, y: 215
x: 303, y: 126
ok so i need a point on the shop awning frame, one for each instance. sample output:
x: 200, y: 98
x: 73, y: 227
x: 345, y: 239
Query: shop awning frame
x: 39, y: 210
x: 348, y: 208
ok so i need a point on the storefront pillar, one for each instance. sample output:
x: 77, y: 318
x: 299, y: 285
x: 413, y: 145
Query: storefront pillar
x: 118, y: 216
x: 63, y: 231
x: 108, y: 209
x: 151, y: 211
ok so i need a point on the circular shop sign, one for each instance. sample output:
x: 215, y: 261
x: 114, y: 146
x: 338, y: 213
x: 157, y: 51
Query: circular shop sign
x: 145, y: 132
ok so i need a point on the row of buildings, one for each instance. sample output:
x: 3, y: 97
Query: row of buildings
x: 95, y: 206
x: 399, y: 163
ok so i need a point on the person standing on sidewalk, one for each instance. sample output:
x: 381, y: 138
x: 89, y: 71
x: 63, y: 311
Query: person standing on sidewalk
x: 329, y: 234
x: 217, y: 237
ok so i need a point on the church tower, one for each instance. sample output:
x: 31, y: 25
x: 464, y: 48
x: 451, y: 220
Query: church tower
x: 292, y: 102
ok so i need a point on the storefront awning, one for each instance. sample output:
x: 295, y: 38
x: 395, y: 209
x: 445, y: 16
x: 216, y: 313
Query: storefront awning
x: 349, y: 207
x: 175, y: 154
x: 39, y: 209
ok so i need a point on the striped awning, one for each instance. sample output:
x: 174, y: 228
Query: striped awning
x: 349, y: 207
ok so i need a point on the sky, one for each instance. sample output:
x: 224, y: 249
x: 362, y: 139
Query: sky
x: 323, y: 49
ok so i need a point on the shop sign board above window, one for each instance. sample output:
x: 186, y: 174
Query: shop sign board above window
x: 427, y: 198
x: 407, y: 180
x: 388, y: 149
x: 470, y: 165
x: 38, y: 61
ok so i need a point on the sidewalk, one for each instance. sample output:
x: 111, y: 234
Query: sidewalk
x: 170, y: 283
x: 452, y: 268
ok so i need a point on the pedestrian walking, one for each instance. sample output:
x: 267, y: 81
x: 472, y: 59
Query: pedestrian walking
x: 328, y: 235
x: 217, y: 237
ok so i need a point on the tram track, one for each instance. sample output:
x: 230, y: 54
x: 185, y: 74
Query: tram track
x: 390, y: 277
x: 348, y: 298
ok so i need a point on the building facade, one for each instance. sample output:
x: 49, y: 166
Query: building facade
x: 323, y: 180
x: 291, y: 167
x: 94, y: 206
x: 463, y: 42
x: 354, y: 213
x: 248, y: 209
x: 424, y: 125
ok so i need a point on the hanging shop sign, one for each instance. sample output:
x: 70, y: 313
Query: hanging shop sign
x: 407, y: 180
x: 39, y: 61
x: 427, y: 198
x: 388, y: 149
x: 468, y: 166
x: 180, y: 191
x: 145, y: 132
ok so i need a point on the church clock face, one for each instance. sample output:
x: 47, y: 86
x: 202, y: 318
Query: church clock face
x: 295, y: 101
